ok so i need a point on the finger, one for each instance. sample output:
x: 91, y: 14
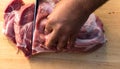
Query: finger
x: 71, y: 41
x: 52, y: 40
x: 48, y: 27
x: 62, y: 43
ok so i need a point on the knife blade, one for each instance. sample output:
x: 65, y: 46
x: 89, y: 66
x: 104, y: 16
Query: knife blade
x: 34, y: 20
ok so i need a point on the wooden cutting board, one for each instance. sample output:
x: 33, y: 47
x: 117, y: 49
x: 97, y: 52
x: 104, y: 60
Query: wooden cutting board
x: 107, y: 57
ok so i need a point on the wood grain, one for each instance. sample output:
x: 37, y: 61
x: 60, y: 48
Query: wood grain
x: 107, y: 57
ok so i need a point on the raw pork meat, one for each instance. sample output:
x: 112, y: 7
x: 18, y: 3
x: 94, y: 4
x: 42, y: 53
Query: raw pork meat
x: 18, y: 27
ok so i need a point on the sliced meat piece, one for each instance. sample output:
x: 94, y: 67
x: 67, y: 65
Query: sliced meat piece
x: 9, y: 18
x: 23, y: 28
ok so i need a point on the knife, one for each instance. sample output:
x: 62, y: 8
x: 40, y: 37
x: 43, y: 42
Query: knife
x: 35, y: 13
x: 34, y: 20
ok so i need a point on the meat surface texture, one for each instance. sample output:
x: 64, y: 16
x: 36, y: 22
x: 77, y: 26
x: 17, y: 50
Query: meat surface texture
x: 18, y: 27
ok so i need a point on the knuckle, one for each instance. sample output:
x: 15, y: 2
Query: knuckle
x: 51, y: 20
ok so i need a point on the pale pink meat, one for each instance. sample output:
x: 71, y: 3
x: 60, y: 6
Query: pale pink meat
x: 18, y: 27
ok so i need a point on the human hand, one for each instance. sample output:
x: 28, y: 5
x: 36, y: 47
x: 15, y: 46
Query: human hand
x: 63, y: 25
x: 66, y: 20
